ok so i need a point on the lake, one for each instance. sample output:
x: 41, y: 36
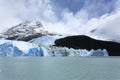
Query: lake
x: 59, y: 68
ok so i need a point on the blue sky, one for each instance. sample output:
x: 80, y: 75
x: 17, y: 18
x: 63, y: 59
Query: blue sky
x: 64, y: 16
x: 95, y: 8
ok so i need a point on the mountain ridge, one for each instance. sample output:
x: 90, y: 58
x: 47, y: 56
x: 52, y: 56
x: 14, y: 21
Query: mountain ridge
x: 25, y: 31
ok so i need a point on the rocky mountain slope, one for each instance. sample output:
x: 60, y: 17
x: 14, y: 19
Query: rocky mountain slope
x: 25, y: 31
x: 85, y: 42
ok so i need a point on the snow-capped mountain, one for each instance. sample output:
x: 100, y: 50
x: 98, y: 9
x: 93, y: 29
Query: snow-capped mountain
x: 25, y: 31
x: 33, y: 32
x: 39, y: 42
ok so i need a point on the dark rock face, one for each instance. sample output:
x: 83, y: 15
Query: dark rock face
x: 25, y: 38
x: 84, y: 42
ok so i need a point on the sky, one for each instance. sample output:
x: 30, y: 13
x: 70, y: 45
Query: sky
x: 64, y: 16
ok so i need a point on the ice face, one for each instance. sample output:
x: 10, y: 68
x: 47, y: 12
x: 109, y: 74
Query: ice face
x: 19, y: 48
x: 7, y: 49
x: 99, y: 52
x: 63, y: 51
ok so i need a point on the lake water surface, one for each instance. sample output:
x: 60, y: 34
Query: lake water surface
x: 59, y: 68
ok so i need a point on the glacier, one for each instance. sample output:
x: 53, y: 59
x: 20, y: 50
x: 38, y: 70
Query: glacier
x: 20, y: 48
x: 46, y: 40
x: 39, y: 42
x: 64, y: 51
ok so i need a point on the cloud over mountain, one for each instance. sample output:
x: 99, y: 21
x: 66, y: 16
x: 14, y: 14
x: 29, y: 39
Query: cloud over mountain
x: 69, y: 16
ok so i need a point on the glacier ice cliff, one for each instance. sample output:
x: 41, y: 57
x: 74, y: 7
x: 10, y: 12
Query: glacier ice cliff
x: 64, y: 51
x: 17, y: 48
x: 20, y: 48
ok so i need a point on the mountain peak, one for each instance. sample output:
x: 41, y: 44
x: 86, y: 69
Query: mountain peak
x: 25, y: 31
x: 35, y: 24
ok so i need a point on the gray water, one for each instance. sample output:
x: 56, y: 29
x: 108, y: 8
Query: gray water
x: 59, y: 68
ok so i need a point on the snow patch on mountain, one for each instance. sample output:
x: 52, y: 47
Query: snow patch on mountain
x: 25, y: 31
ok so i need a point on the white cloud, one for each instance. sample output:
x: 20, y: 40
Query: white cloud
x: 13, y: 12
x: 7, y: 18
x: 107, y: 27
